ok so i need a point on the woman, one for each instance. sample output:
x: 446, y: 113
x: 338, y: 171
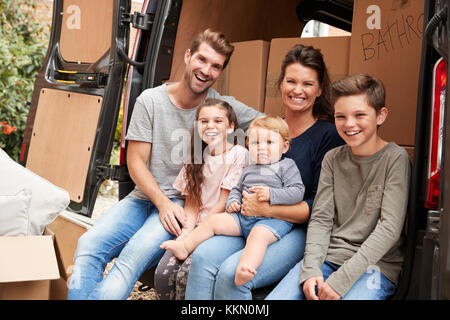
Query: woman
x: 305, y: 91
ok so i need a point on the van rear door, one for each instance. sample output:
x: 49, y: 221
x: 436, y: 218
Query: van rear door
x: 76, y: 99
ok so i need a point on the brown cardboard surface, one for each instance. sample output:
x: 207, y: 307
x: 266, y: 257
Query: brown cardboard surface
x: 26, y: 266
x: 27, y: 258
x: 66, y: 234
x: 334, y: 49
x: 392, y: 54
x: 238, y: 20
x: 245, y: 76
x: 27, y: 290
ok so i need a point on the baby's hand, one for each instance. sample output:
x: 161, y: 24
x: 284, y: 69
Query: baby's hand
x: 234, y: 207
x: 262, y: 192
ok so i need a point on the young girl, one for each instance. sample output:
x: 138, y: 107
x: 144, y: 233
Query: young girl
x: 272, y: 179
x: 354, y: 239
x: 205, y: 181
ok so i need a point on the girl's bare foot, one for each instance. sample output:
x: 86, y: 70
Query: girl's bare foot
x: 243, y: 275
x: 177, y: 248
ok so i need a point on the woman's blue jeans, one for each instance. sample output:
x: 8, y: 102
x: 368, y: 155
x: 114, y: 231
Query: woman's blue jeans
x: 132, y: 232
x: 214, y: 263
x: 372, y: 285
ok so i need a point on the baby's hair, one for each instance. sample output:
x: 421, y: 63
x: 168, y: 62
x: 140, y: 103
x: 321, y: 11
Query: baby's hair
x: 271, y: 123
x: 359, y: 84
x: 194, y: 169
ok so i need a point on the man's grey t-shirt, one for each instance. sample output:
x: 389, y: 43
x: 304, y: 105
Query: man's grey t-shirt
x: 157, y: 120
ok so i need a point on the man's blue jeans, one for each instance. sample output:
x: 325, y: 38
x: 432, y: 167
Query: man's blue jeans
x: 130, y: 230
x: 372, y: 285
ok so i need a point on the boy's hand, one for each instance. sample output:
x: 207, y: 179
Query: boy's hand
x: 234, y: 207
x: 309, y: 287
x: 262, y: 192
x: 326, y: 292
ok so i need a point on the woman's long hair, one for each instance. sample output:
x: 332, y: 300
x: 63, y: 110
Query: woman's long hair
x: 311, y: 57
x: 194, y: 168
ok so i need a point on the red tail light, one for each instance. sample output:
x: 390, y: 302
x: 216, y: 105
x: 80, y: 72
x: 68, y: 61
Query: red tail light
x: 437, y: 127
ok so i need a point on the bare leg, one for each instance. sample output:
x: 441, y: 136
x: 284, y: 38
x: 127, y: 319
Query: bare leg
x: 257, y: 242
x: 220, y: 223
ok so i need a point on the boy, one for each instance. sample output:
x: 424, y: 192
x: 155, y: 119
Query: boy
x: 353, y: 244
x: 277, y: 181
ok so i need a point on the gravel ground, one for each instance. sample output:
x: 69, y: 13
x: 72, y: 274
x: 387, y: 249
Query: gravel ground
x: 107, y: 197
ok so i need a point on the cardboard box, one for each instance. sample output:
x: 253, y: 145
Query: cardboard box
x: 66, y: 232
x: 38, y: 267
x: 27, y: 264
x: 386, y: 43
x: 334, y: 49
x: 245, y: 76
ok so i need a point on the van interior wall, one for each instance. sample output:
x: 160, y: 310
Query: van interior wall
x: 238, y: 20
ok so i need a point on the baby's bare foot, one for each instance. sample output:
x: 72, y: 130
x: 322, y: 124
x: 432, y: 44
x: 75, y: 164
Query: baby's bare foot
x: 243, y: 275
x: 176, y: 247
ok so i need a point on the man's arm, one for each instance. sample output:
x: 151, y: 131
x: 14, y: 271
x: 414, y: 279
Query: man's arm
x: 169, y: 212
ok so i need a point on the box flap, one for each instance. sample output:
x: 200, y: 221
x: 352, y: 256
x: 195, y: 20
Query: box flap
x: 27, y: 258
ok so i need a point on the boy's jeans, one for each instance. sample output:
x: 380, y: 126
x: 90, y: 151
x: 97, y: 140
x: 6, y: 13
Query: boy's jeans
x: 131, y: 230
x: 372, y: 285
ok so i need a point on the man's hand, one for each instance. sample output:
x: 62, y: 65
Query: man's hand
x: 170, y: 214
x: 309, y: 287
x: 326, y: 292
x: 234, y: 206
x: 262, y: 192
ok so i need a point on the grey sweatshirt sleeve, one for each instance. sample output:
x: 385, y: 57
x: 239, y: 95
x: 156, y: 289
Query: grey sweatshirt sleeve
x: 320, y: 223
x: 293, y: 188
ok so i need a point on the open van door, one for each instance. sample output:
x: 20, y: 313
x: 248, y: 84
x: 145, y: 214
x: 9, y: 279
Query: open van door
x: 76, y: 99
x: 77, y: 95
x: 75, y: 103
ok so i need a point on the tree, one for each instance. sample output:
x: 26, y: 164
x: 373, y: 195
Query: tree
x: 23, y: 44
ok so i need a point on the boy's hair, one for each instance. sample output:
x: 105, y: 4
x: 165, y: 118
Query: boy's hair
x: 358, y: 84
x: 216, y: 40
x: 271, y: 123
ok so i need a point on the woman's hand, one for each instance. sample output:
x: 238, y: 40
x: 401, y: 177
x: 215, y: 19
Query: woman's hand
x: 252, y: 207
x: 262, y: 192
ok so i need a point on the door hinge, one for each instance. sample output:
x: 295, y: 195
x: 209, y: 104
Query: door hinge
x: 138, y: 20
x: 116, y: 172
x: 74, y: 77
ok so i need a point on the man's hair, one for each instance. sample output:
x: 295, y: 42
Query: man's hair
x: 271, y: 123
x: 216, y: 40
x: 359, y: 84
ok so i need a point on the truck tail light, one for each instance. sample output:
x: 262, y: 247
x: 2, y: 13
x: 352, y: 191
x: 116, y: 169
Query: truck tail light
x: 437, y: 127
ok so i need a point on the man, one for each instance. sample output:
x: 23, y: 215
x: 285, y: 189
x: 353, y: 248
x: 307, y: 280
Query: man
x: 135, y: 227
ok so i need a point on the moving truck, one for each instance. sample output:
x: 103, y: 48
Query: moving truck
x: 92, y: 69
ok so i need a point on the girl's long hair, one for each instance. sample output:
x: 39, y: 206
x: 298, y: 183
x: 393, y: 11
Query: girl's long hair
x: 194, y: 168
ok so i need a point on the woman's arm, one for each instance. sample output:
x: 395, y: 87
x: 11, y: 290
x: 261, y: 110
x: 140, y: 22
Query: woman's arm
x: 297, y: 213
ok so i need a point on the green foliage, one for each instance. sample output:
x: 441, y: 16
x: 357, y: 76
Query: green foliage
x: 23, y: 44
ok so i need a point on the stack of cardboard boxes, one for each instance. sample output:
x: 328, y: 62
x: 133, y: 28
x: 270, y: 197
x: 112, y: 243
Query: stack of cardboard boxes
x: 385, y: 42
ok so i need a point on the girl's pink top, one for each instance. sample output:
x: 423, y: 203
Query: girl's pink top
x: 221, y: 171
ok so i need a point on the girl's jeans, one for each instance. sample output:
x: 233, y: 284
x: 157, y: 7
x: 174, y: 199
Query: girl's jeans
x: 372, y: 285
x: 214, y: 263
x: 130, y: 230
